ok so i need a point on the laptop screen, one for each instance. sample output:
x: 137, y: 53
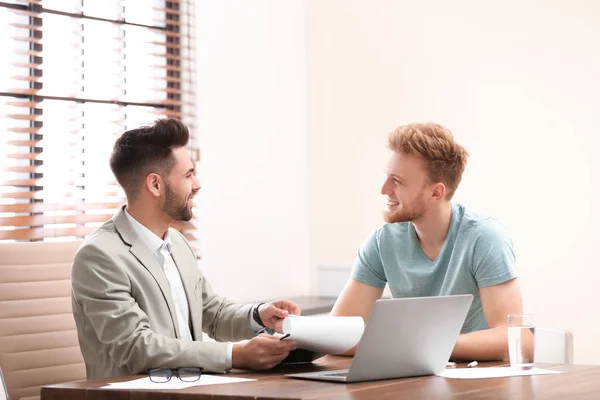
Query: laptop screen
x: 3, y: 390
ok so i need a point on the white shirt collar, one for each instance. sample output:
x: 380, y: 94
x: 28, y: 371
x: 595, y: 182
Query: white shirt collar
x: 153, y: 242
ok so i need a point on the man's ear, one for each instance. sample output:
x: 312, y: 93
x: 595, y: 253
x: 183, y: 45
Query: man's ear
x: 439, y: 191
x: 153, y: 184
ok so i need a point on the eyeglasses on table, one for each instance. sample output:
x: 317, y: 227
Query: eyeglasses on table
x: 185, y: 374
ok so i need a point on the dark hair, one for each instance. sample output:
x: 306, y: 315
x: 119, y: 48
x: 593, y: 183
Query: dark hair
x: 139, y: 152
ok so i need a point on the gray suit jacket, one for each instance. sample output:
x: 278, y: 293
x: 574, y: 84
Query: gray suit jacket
x: 124, y: 310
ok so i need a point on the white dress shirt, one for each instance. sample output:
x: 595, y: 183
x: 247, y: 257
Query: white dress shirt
x: 161, y: 250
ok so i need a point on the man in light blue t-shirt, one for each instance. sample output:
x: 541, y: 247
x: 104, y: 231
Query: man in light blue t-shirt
x: 431, y: 247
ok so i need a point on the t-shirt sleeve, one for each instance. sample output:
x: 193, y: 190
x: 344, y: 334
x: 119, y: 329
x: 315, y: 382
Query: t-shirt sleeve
x: 368, y: 267
x: 493, y: 256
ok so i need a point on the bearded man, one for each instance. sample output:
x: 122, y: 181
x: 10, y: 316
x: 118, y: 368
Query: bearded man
x: 139, y: 299
x: 431, y: 247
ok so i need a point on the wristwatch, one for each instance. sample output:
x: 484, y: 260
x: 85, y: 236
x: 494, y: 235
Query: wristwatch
x: 256, y: 315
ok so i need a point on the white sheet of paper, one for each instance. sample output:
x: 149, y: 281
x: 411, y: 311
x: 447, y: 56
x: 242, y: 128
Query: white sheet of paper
x: 174, y: 383
x: 492, y: 372
x: 327, y: 335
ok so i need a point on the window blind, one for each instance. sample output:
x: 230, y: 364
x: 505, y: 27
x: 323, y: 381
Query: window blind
x: 76, y: 74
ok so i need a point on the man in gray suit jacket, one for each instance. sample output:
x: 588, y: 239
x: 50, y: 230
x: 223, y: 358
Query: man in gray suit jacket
x: 139, y: 299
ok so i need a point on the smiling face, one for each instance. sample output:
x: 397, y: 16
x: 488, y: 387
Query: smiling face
x: 406, y: 187
x: 180, y: 187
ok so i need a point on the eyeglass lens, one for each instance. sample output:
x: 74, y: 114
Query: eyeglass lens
x: 160, y: 375
x: 189, y: 374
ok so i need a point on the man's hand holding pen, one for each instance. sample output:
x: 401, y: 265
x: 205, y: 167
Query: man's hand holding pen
x: 266, y: 351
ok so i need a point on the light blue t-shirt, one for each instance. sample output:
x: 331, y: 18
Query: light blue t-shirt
x: 477, y: 253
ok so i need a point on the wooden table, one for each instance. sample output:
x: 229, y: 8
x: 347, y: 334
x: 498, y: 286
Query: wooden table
x: 577, y: 382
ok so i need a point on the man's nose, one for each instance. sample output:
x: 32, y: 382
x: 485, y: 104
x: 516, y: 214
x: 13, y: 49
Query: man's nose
x: 385, y: 188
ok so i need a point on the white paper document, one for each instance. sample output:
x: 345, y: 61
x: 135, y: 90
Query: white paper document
x: 492, y: 372
x: 325, y: 335
x: 174, y: 383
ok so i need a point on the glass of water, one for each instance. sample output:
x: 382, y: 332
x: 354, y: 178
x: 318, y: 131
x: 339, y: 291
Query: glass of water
x: 521, y: 340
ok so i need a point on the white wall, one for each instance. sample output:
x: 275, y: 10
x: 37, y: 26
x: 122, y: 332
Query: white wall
x: 516, y: 81
x: 253, y: 206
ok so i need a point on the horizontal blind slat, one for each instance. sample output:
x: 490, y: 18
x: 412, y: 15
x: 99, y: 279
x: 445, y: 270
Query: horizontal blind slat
x: 43, y: 207
x: 42, y: 233
x: 37, y: 220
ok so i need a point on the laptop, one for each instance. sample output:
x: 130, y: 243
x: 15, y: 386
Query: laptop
x: 3, y: 389
x: 404, y: 337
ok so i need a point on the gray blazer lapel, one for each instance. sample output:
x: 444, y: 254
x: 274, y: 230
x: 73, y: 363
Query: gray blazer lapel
x: 190, y: 277
x: 141, y: 252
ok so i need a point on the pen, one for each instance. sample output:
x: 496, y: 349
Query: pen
x: 472, y: 364
x: 450, y: 364
x: 283, y: 337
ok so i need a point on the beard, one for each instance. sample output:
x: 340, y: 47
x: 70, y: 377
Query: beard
x: 407, y: 213
x: 175, y: 206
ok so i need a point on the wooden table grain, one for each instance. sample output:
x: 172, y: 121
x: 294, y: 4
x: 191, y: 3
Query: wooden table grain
x: 577, y: 382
